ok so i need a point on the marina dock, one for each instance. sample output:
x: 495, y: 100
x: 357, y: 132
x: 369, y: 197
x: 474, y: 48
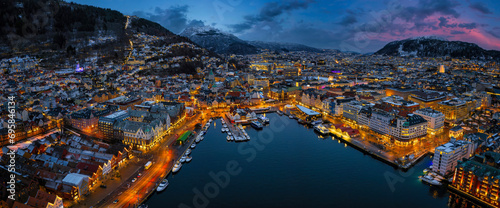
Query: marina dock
x: 236, y: 132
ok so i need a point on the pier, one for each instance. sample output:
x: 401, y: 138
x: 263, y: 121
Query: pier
x: 235, y: 130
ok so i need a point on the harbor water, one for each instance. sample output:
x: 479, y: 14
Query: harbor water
x: 288, y: 165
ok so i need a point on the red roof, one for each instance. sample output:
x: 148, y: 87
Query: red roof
x: 87, y: 167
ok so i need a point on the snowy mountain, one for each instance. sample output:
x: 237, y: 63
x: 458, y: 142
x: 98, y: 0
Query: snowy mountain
x: 275, y: 46
x: 218, y: 41
x: 436, y: 47
x: 226, y: 43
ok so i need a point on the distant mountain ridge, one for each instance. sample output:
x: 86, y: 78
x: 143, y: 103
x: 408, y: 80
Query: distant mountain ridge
x: 226, y: 43
x: 431, y: 46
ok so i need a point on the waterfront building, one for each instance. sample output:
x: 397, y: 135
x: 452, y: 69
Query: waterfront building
x: 479, y: 177
x: 446, y: 156
x: 380, y: 121
x: 406, y: 129
x: 142, y: 135
x: 435, y: 119
x: 454, y: 110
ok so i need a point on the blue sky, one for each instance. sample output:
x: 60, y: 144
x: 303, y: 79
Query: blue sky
x: 350, y: 25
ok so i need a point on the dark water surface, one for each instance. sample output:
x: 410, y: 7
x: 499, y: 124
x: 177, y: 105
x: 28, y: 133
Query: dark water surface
x: 287, y: 165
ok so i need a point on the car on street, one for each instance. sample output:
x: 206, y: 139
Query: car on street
x: 133, y: 180
x: 139, y: 175
x: 115, y: 201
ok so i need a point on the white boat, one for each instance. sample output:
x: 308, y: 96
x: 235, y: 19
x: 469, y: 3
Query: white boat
x: 193, y: 146
x: 163, y: 185
x: 183, y: 159
x: 223, y: 130
x: 210, y: 120
x: 177, y: 167
x: 229, y: 133
x: 198, y: 139
x: 188, y: 151
x: 256, y: 125
x: 290, y: 116
x: 430, y: 180
x: 224, y: 125
x: 263, y: 119
x: 202, y: 137
x: 188, y: 159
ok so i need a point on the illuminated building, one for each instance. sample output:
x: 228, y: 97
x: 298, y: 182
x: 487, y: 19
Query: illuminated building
x: 479, y: 177
x: 446, y: 156
x: 454, y: 110
x: 88, y: 118
x: 427, y: 98
x: 435, y: 119
x: 402, y: 92
x: 106, y: 123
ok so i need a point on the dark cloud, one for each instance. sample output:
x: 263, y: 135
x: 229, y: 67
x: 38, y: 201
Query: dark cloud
x: 268, y: 13
x: 426, y: 8
x: 173, y: 18
x: 348, y: 20
x: 456, y: 32
x: 443, y: 22
x: 480, y: 7
x: 468, y: 25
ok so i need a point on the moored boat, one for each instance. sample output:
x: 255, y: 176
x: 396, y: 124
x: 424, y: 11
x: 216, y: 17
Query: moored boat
x: 256, y: 125
x: 163, y: 185
x: 263, y: 119
x: 321, y: 129
x: 183, y: 159
x: 177, y: 167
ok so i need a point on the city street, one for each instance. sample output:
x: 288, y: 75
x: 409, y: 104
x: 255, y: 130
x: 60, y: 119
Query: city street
x: 131, y: 194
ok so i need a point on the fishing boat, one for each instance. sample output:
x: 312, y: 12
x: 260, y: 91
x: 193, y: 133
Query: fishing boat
x: 163, y: 185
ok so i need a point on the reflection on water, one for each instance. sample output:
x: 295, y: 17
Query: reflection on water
x: 457, y: 201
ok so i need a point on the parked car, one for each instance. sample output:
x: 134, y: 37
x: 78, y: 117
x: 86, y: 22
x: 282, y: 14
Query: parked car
x: 115, y: 201
x: 133, y: 180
